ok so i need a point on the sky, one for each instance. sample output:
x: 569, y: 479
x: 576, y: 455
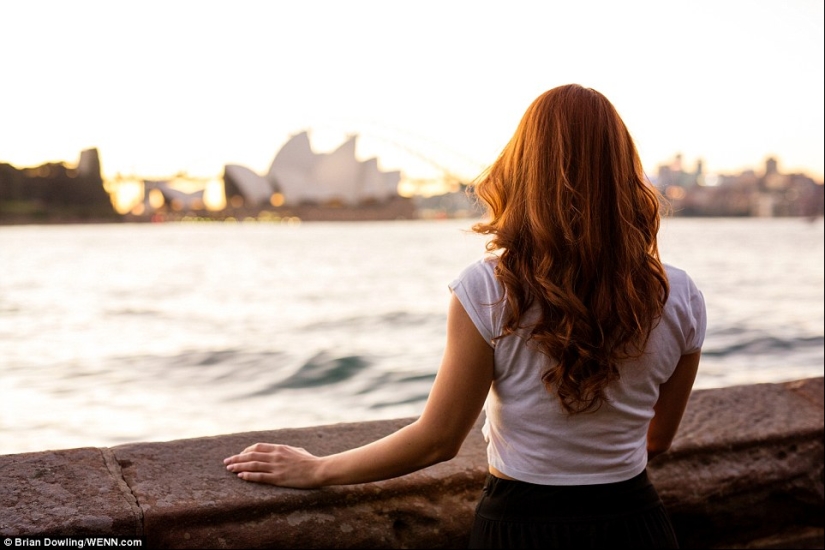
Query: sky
x: 163, y: 87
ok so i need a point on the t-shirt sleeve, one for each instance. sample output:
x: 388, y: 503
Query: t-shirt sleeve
x: 697, y: 318
x: 480, y: 293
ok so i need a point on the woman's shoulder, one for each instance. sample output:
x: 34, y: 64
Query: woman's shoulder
x: 685, y: 297
x: 679, y: 280
x: 686, y: 306
x: 672, y: 270
x: 483, y: 267
x: 479, y: 275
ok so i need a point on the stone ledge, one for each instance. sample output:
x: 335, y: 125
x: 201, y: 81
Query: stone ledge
x: 747, y: 466
x: 746, y: 471
x: 74, y: 492
x: 209, y: 507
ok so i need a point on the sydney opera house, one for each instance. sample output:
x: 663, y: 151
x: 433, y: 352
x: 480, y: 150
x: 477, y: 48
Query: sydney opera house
x: 299, y: 176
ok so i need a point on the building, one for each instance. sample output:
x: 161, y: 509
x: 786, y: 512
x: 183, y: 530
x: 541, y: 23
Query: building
x: 300, y: 176
x: 55, y: 191
x: 748, y: 193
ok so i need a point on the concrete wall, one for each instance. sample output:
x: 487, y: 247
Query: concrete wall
x: 746, y: 471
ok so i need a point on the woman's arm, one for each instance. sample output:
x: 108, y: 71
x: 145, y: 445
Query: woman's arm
x: 452, y: 408
x: 669, y: 408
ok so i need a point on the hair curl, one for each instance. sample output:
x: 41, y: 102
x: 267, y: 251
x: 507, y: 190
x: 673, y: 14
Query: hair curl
x: 575, y: 222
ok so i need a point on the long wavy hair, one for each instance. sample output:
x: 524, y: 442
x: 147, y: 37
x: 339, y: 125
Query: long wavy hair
x: 574, y: 222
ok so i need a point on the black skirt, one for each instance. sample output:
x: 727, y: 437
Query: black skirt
x: 627, y: 514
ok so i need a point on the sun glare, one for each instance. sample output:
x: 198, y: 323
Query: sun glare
x: 126, y: 193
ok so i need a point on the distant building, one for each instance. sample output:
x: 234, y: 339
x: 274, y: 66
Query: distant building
x: 298, y: 176
x: 673, y: 178
x: 745, y: 194
x: 55, y: 191
x: 159, y: 193
x: 456, y: 204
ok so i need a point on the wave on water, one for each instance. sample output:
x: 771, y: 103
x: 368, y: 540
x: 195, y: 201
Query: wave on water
x: 140, y: 312
x: 320, y: 370
x: 761, y: 345
x: 385, y: 321
x: 420, y: 397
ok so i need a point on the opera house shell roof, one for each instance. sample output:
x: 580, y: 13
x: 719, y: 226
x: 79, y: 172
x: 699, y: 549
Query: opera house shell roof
x: 300, y: 176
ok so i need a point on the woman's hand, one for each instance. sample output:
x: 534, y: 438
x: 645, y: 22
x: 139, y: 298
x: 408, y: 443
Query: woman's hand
x: 280, y: 465
x: 455, y: 402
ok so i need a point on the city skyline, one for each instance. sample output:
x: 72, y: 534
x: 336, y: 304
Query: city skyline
x: 164, y: 88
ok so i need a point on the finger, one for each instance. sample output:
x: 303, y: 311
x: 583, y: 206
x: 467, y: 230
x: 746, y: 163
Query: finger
x: 257, y: 477
x: 250, y: 457
x: 260, y: 447
x: 234, y: 459
x: 251, y: 466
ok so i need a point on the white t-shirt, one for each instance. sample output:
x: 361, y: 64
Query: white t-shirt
x: 529, y: 436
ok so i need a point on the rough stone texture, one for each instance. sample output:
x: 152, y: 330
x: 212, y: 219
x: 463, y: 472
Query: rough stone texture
x: 189, y: 500
x: 59, y: 493
x: 745, y: 471
x: 747, y: 465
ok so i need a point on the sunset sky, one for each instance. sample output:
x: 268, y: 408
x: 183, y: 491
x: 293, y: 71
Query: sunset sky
x: 161, y: 87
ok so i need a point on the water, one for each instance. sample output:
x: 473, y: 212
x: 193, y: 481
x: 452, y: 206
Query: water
x: 120, y: 333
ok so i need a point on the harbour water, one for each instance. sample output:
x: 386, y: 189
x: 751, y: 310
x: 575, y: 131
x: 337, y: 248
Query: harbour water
x: 149, y: 332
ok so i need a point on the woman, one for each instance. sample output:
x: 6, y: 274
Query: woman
x: 582, y: 343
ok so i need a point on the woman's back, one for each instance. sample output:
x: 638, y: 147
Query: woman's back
x: 530, y: 436
x: 574, y: 222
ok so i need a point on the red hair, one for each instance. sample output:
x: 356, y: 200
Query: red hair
x: 575, y: 221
